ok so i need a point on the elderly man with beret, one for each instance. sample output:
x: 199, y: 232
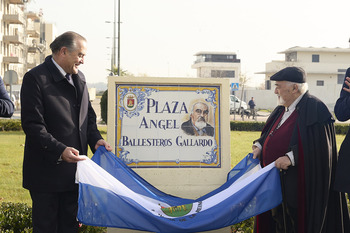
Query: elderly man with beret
x: 299, y: 136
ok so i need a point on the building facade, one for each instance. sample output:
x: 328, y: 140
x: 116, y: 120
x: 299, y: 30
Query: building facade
x: 218, y: 65
x: 325, y: 69
x: 24, y: 38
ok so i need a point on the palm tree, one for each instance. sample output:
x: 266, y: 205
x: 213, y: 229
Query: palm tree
x: 115, y: 72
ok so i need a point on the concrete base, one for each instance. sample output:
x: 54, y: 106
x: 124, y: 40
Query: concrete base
x: 118, y: 230
x: 186, y: 182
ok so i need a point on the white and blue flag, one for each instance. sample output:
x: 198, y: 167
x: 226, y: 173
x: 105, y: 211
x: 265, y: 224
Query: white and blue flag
x: 113, y: 195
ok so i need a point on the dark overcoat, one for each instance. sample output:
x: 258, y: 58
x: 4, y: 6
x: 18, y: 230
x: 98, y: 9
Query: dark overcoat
x: 342, y: 112
x: 313, y: 140
x: 54, y: 115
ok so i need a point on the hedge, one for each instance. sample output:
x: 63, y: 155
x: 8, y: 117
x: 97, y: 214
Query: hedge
x: 10, y: 125
x: 340, y: 128
x: 246, y: 125
x: 104, y: 106
x: 17, y: 218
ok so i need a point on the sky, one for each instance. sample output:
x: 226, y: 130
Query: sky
x: 160, y: 37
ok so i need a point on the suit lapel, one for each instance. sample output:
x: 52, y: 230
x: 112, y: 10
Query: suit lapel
x: 83, y: 96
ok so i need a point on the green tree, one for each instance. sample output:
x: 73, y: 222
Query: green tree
x: 104, y: 104
x: 104, y: 98
x: 122, y: 72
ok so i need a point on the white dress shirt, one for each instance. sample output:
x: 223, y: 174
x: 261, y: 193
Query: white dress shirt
x: 63, y: 72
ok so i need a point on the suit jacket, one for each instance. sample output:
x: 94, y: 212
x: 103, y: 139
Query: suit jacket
x: 342, y: 112
x: 188, y: 128
x: 54, y: 115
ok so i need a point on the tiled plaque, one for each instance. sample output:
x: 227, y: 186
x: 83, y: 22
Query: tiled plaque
x: 175, y: 126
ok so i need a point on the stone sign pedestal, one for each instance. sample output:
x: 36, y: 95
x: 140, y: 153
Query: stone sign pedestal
x: 150, y: 126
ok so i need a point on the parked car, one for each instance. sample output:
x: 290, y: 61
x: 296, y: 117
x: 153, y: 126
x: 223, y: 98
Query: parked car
x: 236, y: 104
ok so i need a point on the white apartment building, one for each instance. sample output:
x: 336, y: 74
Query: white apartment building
x: 24, y: 38
x: 325, y: 69
x: 218, y: 65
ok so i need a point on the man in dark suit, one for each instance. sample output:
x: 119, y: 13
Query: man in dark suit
x: 6, y: 105
x: 197, y: 124
x: 59, y: 124
x: 342, y: 112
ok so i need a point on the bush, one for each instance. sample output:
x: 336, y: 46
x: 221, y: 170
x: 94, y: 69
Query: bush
x: 104, y: 106
x: 10, y: 125
x: 92, y: 229
x: 258, y: 126
x: 341, y: 128
x: 246, y: 126
x: 246, y: 226
x: 15, y: 217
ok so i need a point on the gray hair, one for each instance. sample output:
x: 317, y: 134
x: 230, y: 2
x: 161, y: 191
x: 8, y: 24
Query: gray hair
x: 302, y: 87
x: 199, y: 103
x: 68, y: 40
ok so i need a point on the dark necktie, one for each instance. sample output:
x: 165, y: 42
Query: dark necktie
x: 68, y: 77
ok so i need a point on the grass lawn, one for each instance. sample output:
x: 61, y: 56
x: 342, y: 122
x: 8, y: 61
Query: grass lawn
x: 11, y: 157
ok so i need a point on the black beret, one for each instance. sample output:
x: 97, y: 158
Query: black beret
x: 292, y: 74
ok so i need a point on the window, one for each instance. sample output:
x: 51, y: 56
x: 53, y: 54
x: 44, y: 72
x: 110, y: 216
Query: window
x: 292, y: 57
x: 341, y: 77
x: 268, y: 85
x: 221, y: 58
x: 222, y: 73
x: 315, y: 58
x: 319, y: 83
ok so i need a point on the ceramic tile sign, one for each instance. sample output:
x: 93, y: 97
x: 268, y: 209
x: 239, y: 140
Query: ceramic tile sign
x: 174, y: 126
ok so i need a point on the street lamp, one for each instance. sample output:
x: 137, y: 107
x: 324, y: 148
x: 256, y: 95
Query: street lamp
x: 114, y: 37
x: 113, y: 53
x: 118, y: 34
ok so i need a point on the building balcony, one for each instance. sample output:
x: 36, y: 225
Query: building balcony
x: 32, y: 15
x: 13, y: 39
x: 32, y: 49
x: 31, y: 65
x: 19, y: 2
x: 15, y: 59
x: 14, y: 19
x: 215, y: 65
x: 218, y: 61
x: 32, y: 32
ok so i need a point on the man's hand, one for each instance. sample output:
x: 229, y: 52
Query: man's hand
x: 71, y: 155
x: 256, y: 152
x: 347, y: 82
x: 102, y: 142
x: 283, y: 162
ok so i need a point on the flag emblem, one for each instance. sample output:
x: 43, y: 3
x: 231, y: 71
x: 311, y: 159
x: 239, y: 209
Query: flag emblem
x: 177, y: 211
